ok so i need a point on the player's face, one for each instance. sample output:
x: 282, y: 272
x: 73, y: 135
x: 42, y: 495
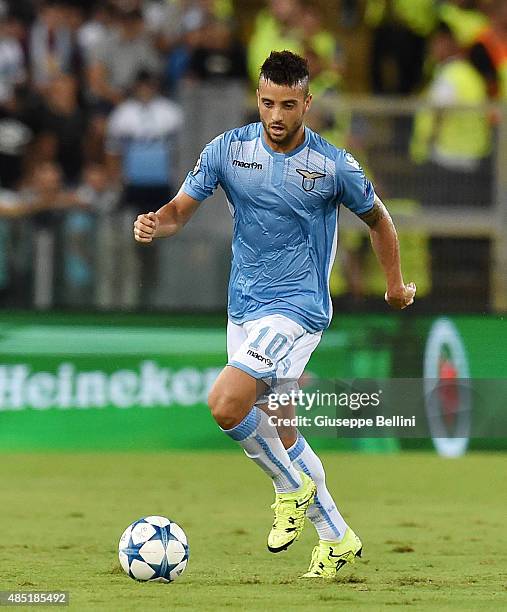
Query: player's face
x: 282, y: 110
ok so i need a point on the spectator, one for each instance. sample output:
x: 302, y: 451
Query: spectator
x: 140, y: 145
x: 400, y: 29
x: 8, y: 239
x: 185, y: 35
x: 32, y: 250
x: 455, y: 142
x: 97, y: 198
x: 296, y: 26
x: 51, y: 46
x: 219, y: 55
x: 164, y: 22
x: 42, y: 197
x: 140, y: 148
x: 95, y: 30
x: 324, y: 55
x: 320, y: 40
x: 277, y: 27
x: 12, y: 60
x: 197, y: 13
x: 43, y: 194
x: 63, y: 128
x: 489, y: 53
x: 97, y: 193
x: 119, y: 58
x: 19, y: 125
x: 44, y: 200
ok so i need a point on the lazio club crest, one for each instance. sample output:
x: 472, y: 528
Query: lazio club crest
x: 309, y: 178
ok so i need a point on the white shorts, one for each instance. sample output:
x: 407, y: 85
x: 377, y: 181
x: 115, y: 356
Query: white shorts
x: 273, y: 349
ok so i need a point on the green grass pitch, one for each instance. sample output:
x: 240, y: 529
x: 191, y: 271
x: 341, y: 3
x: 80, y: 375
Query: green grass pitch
x: 433, y: 530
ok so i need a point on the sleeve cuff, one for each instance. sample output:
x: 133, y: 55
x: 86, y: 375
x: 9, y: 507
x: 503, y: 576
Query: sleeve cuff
x: 193, y: 193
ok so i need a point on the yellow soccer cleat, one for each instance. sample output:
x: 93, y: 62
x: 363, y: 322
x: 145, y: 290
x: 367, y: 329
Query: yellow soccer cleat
x: 329, y: 557
x: 290, y: 512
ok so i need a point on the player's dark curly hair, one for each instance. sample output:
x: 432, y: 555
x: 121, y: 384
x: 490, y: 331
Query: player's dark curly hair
x: 286, y: 68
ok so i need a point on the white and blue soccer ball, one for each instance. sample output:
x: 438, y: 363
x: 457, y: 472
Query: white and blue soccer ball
x: 153, y: 549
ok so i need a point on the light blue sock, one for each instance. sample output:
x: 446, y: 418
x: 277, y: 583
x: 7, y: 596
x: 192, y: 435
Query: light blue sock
x: 260, y: 441
x: 323, y: 513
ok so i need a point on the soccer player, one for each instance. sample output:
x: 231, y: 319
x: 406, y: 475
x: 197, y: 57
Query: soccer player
x: 285, y: 185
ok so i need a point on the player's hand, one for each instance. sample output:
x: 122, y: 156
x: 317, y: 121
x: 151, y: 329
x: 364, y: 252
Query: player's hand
x: 145, y: 227
x: 401, y: 298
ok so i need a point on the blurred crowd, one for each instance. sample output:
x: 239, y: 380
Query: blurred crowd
x: 89, y: 121
x: 89, y: 112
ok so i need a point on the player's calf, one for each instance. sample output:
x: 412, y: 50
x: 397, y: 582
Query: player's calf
x: 231, y: 400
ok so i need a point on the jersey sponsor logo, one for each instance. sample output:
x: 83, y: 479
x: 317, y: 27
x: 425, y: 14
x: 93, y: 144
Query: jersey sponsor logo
x: 253, y: 165
x: 309, y: 178
x: 256, y: 355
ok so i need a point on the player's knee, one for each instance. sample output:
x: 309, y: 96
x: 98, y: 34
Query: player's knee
x: 223, y: 408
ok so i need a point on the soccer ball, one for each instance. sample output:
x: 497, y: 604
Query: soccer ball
x: 153, y: 549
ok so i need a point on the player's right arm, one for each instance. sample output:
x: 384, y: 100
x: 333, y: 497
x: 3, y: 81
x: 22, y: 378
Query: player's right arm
x: 199, y: 185
x: 167, y: 221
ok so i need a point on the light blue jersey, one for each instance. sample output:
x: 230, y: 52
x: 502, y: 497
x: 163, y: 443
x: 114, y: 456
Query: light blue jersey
x: 285, y: 209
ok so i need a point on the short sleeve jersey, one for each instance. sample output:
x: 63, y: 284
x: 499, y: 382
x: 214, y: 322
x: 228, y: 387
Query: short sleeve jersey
x: 285, y: 209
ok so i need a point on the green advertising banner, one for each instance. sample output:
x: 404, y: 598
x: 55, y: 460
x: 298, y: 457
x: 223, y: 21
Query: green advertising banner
x: 107, y: 387
x: 111, y: 383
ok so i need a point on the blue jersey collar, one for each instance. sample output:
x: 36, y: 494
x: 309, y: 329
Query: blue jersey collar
x: 290, y: 153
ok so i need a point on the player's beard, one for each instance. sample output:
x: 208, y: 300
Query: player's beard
x: 285, y: 137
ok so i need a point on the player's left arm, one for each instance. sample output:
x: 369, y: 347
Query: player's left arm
x: 384, y: 240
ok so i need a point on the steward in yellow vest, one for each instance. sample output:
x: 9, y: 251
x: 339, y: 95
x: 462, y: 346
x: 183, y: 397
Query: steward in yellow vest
x: 417, y: 15
x: 456, y: 138
x: 298, y: 29
x: 399, y: 32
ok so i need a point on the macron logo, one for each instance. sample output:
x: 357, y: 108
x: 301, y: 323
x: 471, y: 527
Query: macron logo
x: 256, y: 355
x: 253, y: 165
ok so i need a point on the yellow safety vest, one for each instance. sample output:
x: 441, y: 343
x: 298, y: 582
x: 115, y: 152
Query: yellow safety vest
x: 418, y: 15
x: 267, y: 37
x: 324, y: 45
x: 463, y: 134
x: 466, y: 25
